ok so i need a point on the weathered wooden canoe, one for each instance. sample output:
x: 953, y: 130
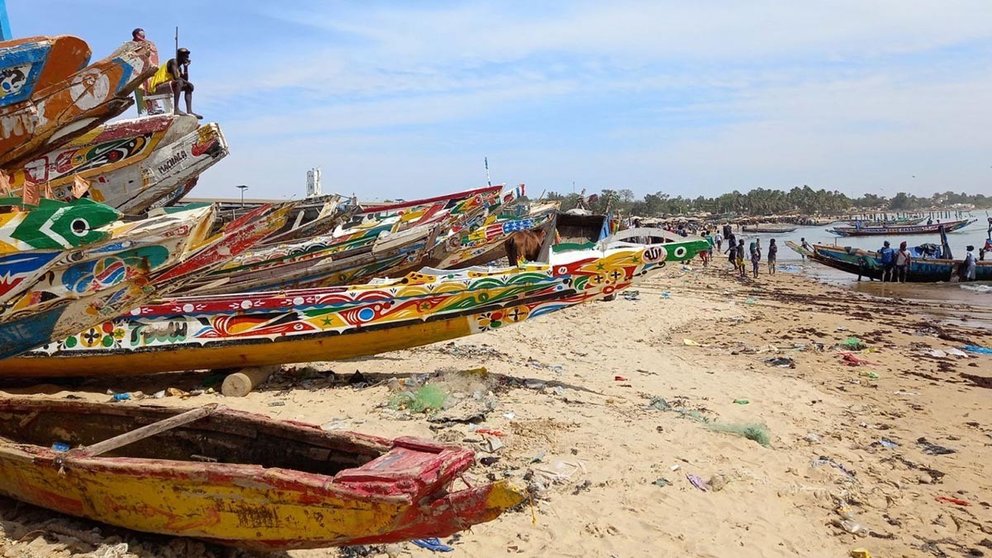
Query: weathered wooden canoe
x: 390, y: 241
x: 56, y: 114
x: 769, y: 228
x: 258, y: 329
x: 103, y: 149
x: 236, y: 478
x: 37, y: 62
x: 142, y: 259
x: 932, y: 228
x: 134, y: 188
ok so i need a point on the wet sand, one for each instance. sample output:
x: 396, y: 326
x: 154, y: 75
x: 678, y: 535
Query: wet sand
x: 605, y: 409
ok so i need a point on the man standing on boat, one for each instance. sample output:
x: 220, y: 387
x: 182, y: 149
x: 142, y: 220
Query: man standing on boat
x: 174, y: 76
x: 888, y: 258
x: 903, y: 259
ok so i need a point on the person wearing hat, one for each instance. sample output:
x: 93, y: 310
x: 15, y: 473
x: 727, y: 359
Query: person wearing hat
x: 174, y: 76
x: 887, y: 257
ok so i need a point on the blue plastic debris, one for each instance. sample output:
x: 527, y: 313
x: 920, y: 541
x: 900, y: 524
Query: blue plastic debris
x: 432, y: 544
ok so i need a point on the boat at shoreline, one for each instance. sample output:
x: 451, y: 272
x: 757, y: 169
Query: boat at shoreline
x: 34, y: 63
x: 263, y: 328
x: 932, y: 228
x: 237, y: 478
x: 867, y: 263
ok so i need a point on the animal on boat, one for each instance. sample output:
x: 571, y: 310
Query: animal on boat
x: 524, y: 245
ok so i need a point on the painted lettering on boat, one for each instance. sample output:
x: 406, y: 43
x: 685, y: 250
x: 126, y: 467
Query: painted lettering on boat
x: 172, y: 162
x: 146, y: 334
x: 253, y: 516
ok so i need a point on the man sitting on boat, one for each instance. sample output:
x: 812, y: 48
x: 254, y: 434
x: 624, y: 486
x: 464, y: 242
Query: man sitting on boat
x: 174, y: 76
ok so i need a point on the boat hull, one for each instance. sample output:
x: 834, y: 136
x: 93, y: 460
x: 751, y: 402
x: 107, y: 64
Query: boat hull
x: 934, y: 228
x: 920, y: 270
x: 373, y: 491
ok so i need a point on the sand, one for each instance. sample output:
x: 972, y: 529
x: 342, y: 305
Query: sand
x: 572, y: 395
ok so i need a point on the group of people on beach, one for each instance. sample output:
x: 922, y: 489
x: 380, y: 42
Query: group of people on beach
x: 737, y: 253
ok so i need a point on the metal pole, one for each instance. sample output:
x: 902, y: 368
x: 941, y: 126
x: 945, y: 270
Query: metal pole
x: 5, y: 34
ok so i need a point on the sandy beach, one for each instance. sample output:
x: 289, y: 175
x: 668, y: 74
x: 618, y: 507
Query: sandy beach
x: 616, y: 416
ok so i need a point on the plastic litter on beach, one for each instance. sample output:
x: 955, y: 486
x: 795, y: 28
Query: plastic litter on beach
x: 741, y: 401
x: 754, y: 432
x: 631, y: 295
x: 433, y: 544
x: 781, y: 362
x: 662, y: 482
x: 853, y: 344
x: 824, y: 460
x: 977, y: 349
x: 887, y: 443
x: 930, y: 448
x: 698, y: 482
x: 952, y: 500
x: 852, y: 359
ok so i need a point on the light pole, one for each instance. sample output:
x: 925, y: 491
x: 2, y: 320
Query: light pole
x: 242, y: 187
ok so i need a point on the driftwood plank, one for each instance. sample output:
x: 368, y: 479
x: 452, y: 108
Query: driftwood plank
x: 122, y: 440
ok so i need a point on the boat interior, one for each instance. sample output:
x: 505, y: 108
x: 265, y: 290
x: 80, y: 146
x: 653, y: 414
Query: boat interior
x: 222, y: 437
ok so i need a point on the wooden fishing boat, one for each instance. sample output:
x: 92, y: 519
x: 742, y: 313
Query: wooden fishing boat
x: 262, y: 328
x: 134, y: 188
x: 103, y: 149
x: 37, y: 62
x: 883, y: 222
x: 56, y: 114
x: 237, y: 478
x: 143, y: 259
x: 315, y: 217
x: 868, y: 264
x: 933, y: 228
x: 486, y: 244
x: 769, y: 228
x: 390, y: 241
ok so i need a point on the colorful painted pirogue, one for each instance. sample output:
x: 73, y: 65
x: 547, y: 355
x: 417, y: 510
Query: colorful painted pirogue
x: 390, y: 241
x: 236, y: 478
x: 255, y: 329
x: 106, y: 148
x: 314, y: 217
x: 37, y: 62
x: 932, y: 228
x: 485, y: 244
x: 55, y: 114
x: 868, y: 264
x: 139, y: 261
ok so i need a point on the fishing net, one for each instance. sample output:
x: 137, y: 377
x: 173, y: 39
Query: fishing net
x: 426, y: 398
x: 753, y: 431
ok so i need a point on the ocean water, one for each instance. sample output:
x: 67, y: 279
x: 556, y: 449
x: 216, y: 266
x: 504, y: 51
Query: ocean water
x: 977, y: 295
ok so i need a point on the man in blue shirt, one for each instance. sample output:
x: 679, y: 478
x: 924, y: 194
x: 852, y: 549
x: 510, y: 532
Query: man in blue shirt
x: 888, y: 259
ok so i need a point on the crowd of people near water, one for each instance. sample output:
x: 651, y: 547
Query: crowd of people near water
x: 894, y: 263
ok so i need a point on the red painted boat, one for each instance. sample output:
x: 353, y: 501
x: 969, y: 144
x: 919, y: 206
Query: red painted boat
x: 237, y: 478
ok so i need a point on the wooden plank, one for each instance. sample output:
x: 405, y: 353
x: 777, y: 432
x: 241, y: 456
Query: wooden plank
x: 144, y: 432
x: 242, y: 382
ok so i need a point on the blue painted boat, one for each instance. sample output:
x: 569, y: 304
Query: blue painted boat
x: 30, y: 64
x: 868, y: 264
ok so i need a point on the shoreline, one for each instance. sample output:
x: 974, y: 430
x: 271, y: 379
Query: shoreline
x: 576, y: 397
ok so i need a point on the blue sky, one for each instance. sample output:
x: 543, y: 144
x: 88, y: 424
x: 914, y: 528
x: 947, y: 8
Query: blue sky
x: 401, y: 99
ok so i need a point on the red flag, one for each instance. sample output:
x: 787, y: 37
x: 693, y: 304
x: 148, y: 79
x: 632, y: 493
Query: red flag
x: 79, y: 186
x: 30, y: 194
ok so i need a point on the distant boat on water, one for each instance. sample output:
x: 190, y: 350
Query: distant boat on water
x: 769, y: 228
x: 932, y: 228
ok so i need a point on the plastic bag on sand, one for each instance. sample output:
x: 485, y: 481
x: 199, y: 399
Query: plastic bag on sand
x: 755, y: 432
x: 427, y: 397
